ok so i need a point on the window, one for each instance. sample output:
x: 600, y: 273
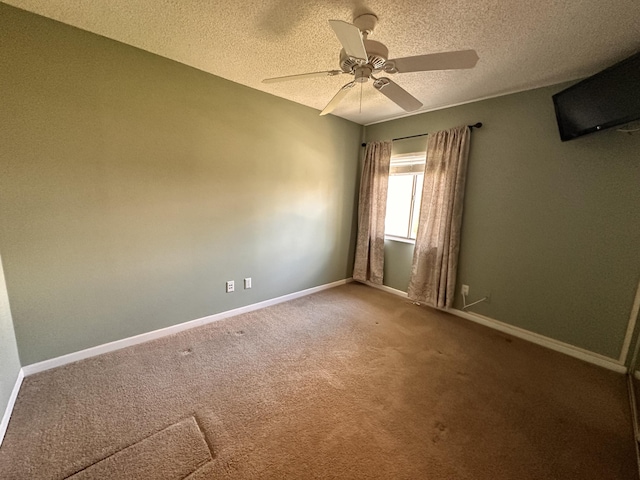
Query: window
x: 404, y: 196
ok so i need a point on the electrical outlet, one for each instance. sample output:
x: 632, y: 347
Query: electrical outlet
x: 230, y: 286
x: 247, y: 283
x: 465, y: 289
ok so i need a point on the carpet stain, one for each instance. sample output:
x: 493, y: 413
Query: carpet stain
x: 440, y: 432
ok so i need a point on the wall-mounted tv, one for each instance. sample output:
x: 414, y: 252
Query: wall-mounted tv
x: 605, y: 100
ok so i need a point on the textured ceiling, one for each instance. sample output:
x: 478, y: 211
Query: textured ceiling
x: 522, y: 44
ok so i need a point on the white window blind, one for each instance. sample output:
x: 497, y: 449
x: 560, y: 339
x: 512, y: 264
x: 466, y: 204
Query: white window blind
x: 407, y: 163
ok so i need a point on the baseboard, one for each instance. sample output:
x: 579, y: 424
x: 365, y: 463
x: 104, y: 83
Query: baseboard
x: 4, y: 424
x: 591, y: 357
x: 556, y: 345
x: 631, y: 326
x: 384, y: 288
x: 550, y: 343
x: 163, y: 332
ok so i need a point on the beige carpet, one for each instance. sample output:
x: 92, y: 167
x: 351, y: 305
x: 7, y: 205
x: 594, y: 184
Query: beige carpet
x: 173, y: 453
x: 349, y: 383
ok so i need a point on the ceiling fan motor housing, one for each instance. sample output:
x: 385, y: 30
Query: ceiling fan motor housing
x: 368, y: 57
x: 377, y: 55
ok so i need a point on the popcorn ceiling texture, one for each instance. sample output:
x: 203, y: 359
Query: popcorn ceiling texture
x: 521, y: 44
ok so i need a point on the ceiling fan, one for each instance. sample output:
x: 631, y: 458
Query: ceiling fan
x: 362, y: 58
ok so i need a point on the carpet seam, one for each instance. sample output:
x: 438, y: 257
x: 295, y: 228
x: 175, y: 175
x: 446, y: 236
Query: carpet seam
x: 204, y: 437
x: 199, y: 467
x: 134, y: 444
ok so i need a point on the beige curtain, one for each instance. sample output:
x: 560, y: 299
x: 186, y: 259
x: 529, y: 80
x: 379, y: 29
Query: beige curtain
x: 372, y: 207
x: 435, y: 258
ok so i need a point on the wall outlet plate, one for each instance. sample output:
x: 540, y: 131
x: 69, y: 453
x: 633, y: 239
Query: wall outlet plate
x: 230, y: 286
x: 465, y: 289
x: 247, y: 283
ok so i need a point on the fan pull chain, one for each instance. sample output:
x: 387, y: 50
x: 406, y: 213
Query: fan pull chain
x: 360, y: 98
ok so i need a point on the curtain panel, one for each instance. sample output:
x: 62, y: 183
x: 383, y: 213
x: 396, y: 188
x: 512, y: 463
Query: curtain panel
x: 435, y: 257
x: 372, y: 207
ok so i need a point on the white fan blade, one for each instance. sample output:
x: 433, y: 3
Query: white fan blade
x: 436, y: 61
x: 397, y: 94
x: 286, y: 78
x: 337, y: 98
x: 350, y: 38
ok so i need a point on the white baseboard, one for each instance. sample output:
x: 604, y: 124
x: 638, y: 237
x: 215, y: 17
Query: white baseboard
x: 591, y: 357
x: 594, y: 358
x: 163, y: 332
x: 631, y: 326
x: 384, y: 288
x: 550, y: 343
x: 4, y: 424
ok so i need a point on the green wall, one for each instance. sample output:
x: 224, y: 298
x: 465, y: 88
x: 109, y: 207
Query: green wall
x: 132, y: 187
x: 397, y: 264
x: 9, y: 360
x: 550, y: 229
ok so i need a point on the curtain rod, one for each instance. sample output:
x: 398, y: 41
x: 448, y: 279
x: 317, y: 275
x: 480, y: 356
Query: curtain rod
x: 475, y: 125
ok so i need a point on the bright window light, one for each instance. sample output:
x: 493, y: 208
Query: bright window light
x: 404, y: 196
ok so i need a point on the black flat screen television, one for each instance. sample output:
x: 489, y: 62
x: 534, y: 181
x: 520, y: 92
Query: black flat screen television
x: 605, y: 100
